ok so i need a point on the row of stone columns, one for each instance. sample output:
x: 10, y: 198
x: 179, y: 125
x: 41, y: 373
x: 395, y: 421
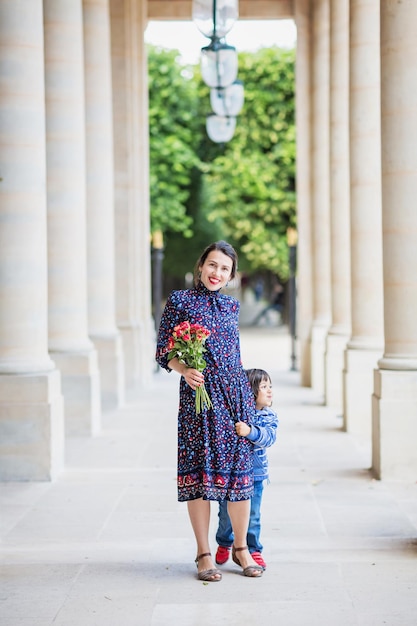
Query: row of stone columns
x: 74, y: 236
x: 358, y: 129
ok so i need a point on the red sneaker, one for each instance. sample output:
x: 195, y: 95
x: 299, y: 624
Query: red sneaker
x: 222, y: 555
x: 257, y: 557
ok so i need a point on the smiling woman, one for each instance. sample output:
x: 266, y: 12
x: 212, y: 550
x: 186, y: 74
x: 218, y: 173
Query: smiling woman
x: 246, y: 35
x: 214, y: 461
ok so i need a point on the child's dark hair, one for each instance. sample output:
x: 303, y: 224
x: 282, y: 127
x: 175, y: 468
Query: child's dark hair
x: 256, y: 377
x: 222, y: 246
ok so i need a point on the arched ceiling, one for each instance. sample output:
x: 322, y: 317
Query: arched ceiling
x: 248, y: 9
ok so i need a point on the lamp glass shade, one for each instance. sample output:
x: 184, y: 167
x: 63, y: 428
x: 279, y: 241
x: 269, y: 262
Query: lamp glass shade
x: 220, y: 129
x: 219, y: 65
x: 227, y: 100
x: 215, y: 18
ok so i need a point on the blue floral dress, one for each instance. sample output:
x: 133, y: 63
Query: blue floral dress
x: 213, y: 462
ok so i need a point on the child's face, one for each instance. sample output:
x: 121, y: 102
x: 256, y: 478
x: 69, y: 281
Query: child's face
x: 264, y: 397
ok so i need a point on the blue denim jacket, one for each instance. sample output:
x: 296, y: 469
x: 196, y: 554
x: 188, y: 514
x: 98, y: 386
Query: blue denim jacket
x: 263, y: 433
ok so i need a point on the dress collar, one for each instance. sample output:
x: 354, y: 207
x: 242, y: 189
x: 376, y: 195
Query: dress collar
x: 208, y: 292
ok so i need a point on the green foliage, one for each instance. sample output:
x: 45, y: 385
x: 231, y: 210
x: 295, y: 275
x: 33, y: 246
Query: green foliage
x: 252, y: 185
x: 172, y: 124
x: 243, y: 191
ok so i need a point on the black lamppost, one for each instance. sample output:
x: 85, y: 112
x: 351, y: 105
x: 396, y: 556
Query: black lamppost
x: 292, y: 292
x: 157, y: 256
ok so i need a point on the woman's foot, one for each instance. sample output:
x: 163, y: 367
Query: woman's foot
x: 258, y: 558
x: 206, y: 570
x: 246, y: 562
x: 222, y: 555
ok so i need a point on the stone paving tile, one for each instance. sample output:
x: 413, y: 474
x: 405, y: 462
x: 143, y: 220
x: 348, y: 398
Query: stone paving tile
x: 34, y: 590
x: 249, y: 614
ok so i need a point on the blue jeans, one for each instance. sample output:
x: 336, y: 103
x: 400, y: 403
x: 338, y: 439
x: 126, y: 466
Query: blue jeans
x: 224, y: 535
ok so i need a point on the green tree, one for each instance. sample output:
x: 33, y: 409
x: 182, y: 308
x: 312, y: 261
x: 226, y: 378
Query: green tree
x: 252, y: 182
x: 243, y: 191
x: 173, y: 130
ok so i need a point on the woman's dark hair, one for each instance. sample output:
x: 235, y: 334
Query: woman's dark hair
x: 222, y: 246
x: 256, y: 377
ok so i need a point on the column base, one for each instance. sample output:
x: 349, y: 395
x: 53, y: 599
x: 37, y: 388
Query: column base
x: 32, y: 442
x: 334, y: 365
x: 305, y: 362
x: 394, y: 424
x: 81, y: 391
x: 111, y: 367
x: 138, y: 351
x: 358, y: 388
x: 147, y: 352
x: 318, y: 349
x: 131, y: 341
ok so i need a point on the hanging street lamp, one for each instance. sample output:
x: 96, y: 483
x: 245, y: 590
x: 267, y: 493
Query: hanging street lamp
x: 219, y: 65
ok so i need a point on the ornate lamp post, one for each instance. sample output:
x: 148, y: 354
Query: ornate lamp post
x: 292, y: 237
x: 157, y: 256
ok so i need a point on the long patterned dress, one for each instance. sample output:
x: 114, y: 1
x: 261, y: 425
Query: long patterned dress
x: 213, y: 462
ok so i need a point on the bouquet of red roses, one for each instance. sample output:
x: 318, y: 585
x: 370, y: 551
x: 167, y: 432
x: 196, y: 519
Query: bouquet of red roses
x: 187, y: 344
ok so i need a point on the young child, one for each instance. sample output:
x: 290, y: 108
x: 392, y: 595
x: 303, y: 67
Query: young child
x: 262, y: 433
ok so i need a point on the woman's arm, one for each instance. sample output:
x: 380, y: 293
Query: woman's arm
x: 169, y: 319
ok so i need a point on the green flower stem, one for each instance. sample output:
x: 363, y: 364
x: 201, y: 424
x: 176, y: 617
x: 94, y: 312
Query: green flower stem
x: 202, y: 398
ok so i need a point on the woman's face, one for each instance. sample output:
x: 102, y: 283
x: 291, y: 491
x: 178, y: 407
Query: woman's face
x: 216, y: 270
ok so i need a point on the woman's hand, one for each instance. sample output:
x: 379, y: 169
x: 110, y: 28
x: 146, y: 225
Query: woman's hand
x: 192, y: 377
x: 242, y: 429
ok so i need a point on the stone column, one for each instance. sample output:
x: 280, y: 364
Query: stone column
x: 394, y: 432
x: 131, y: 161
x: 340, y: 329
x: 72, y: 350
x: 100, y: 201
x: 303, y: 126
x: 147, y: 338
x: 31, y: 406
x: 320, y: 192
x: 366, y: 343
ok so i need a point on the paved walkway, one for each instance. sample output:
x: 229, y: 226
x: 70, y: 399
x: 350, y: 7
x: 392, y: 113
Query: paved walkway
x: 109, y: 545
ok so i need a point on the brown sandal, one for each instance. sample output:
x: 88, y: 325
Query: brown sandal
x: 213, y: 575
x: 252, y: 571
